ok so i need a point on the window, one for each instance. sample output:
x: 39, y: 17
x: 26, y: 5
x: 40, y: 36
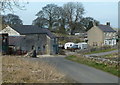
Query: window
x: 38, y: 37
x: 110, y: 34
x: 32, y: 47
x: 38, y: 48
x: 54, y: 40
x: 114, y: 34
x: 43, y: 46
x: 109, y: 42
x: 94, y: 43
x: 107, y: 34
x: 105, y: 42
x: 113, y: 42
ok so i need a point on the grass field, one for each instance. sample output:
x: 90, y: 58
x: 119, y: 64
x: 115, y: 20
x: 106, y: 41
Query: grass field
x: 18, y: 70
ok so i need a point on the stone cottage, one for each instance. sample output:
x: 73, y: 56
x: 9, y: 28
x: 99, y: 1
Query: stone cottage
x: 102, y: 35
x: 27, y: 37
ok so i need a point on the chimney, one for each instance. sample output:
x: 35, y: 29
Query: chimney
x: 93, y: 22
x: 108, y: 23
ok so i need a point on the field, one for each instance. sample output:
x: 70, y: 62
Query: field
x: 18, y: 70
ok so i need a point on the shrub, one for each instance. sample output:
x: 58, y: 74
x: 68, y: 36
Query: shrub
x: 77, y: 40
x: 106, y: 47
x: 93, y: 49
x: 61, y: 52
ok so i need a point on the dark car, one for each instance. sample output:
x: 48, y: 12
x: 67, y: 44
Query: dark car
x: 73, y: 48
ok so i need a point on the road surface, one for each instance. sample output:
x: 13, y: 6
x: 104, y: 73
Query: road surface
x: 79, y: 72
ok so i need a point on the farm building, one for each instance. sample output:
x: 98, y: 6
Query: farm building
x: 27, y: 37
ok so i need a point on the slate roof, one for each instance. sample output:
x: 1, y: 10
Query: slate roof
x: 31, y: 29
x: 106, y: 28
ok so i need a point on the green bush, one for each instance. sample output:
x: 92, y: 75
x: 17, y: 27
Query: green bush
x: 77, y: 41
x: 93, y: 49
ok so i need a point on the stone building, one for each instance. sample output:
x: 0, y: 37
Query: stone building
x: 28, y: 37
x: 102, y: 35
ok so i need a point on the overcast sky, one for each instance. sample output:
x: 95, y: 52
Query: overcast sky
x: 101, y: 10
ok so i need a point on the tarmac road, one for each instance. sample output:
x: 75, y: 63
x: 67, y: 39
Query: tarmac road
x: 79, y: 72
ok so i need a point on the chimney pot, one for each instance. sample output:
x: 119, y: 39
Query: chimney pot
x: 108, y: 23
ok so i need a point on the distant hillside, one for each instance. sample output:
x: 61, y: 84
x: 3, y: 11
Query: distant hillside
x: 116, y: 29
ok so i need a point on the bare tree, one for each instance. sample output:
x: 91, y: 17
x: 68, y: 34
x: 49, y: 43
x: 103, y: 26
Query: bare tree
x: 41, y: 22
x: 49, y: 13
x: 10, y: 4
x: 74, y: 12
x: 11, y: 19
x: 87, y: 22
x: 60, y: 19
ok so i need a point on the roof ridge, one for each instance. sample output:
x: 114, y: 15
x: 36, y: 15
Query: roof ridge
x: 31, y: 29
x: 106, y: 28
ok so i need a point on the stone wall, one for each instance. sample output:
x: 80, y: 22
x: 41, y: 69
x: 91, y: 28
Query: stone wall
x: 105, y: 61
x: 33, y: 41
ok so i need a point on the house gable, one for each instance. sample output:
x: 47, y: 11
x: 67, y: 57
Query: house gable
x: 10, y: 31
x: 94, y: 29
x: 95, y: 35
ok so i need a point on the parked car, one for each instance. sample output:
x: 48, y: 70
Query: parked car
x: 74, y: 47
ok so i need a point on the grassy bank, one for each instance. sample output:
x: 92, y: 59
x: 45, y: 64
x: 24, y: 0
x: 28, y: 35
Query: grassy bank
x: 21, y: 70
x: 113, y: 55
x: 111, y: 69
x: 100, y: 51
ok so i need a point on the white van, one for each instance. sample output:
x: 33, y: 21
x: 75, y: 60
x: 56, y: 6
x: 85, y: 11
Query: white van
x: 82, y: 45
x: 69, y: 45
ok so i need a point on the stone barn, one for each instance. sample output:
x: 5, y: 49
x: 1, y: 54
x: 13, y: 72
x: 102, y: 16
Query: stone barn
x: 27, y: 37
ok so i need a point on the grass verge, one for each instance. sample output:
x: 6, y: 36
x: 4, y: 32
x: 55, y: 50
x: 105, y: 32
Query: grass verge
x: 107, y: 68
x: 113, y: 55
x: 100, y: 51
